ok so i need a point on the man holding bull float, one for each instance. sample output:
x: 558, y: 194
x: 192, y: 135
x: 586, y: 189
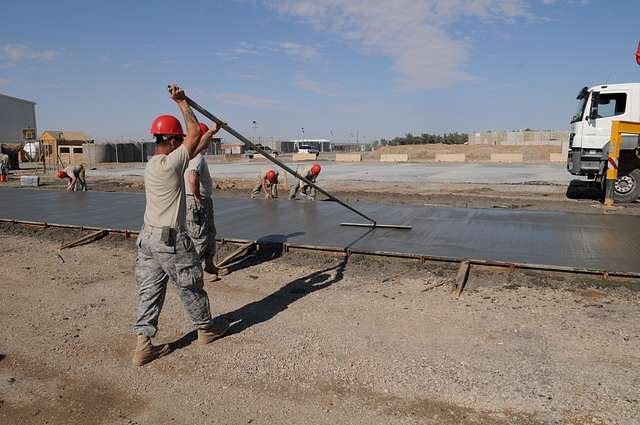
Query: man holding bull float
x: 165, y: 250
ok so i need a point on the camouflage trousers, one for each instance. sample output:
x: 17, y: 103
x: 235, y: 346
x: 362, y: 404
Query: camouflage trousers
x: 273, y: 189
x: 201, y: 227
x: 307, y: 192
x: 156, y: 263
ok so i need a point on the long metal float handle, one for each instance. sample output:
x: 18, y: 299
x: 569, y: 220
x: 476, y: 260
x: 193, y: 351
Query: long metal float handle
x: 247, y: 142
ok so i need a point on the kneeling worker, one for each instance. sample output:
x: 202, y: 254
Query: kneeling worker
x: 306, y: 191
x: 267, y: 181
x: 165, y: 250
x: 200, y: 221
x: 75, y: 174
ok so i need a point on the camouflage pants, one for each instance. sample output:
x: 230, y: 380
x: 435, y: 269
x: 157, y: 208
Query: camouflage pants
x: 308, y: 192
x: 80, y: 181
x: 273, y: 189
x: 201, y: 227
x: 156, y: 263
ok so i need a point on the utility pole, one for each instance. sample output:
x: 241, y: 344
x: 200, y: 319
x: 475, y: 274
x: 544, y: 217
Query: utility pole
x: 254, y: 125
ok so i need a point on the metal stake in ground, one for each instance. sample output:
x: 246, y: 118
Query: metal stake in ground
x: 250, y: 144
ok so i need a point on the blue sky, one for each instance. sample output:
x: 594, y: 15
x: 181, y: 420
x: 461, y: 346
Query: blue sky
x: 370, y: 68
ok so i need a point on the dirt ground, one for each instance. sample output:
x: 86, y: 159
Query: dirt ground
x: 315, y: 339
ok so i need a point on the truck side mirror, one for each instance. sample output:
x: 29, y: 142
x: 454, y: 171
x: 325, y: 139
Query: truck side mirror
x: 595, y: 101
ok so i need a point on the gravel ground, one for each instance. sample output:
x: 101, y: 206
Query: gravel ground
x: 315, y: 339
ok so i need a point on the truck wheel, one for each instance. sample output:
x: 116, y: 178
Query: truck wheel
x: 627, y: 187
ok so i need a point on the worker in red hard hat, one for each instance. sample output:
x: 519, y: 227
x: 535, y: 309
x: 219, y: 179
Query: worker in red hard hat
x: 75, y: 174
x: 267, y: 182
x: 200, y: 216
x: 301, y: 188
x: 165, y: 250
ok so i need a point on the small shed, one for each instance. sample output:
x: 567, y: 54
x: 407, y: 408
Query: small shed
x: 64, y: 146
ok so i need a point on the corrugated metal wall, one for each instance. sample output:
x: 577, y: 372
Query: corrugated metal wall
x: 15, y: 114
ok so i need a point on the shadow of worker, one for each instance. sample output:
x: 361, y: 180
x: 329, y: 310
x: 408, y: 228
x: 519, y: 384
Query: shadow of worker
x: 260, y: 311
x: 265, y: 309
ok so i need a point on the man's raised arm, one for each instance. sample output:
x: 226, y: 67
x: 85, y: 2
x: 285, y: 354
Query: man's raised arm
x: 192, y: 139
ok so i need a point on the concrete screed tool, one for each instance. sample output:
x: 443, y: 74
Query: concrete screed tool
x: 247, y: 142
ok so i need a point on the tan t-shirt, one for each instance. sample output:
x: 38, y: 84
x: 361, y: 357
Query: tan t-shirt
x: 164, y: 189
x: 199, y: 165
x: 306, y: 173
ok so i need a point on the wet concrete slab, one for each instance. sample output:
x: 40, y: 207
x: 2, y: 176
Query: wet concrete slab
x: 586, y: 241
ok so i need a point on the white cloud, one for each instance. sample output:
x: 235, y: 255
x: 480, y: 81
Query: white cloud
x: 299, y: 50
x: 243, y: 99
x: 414, y: 34
x: 289, y: 48
x: 22, y: 52
x: 317, y: 87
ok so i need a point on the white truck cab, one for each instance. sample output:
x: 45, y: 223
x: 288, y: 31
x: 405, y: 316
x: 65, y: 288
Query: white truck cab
x: 598, y: 107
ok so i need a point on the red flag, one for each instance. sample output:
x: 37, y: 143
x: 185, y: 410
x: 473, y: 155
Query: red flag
x: 638, y: 54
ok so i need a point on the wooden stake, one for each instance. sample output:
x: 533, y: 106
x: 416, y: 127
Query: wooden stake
x: 461, y: 278
x: 85, y: 239
x: 234, y: 254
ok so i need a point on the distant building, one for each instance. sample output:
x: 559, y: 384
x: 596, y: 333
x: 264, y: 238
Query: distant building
x: 350, y: 147
x: 291, y: 146
x: 17, y: 126
x: 64, y: 147
x: 232, y: 148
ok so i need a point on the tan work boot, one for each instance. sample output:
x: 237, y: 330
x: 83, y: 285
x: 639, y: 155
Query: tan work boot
x: 219, y: 327
x: 147, y: 352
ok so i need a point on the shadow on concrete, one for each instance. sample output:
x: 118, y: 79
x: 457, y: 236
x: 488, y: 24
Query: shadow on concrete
x: 580, y: 189
x: 265, y: 309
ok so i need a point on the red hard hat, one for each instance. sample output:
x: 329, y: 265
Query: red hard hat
x: 167, y: 125
x: 61, y: 174
x: 272, y: 176
x: 315, y: 169
x: 203, y: 128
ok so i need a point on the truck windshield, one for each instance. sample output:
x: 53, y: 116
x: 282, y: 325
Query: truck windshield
x: 582, y: 102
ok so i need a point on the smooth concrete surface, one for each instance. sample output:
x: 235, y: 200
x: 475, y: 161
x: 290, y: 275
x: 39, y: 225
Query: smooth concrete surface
x: 507, y: 157
x: 394, y: 157
x: 587, y: 241
x: 348, y: 157
x: 485, y: 173
x: 451, y: 157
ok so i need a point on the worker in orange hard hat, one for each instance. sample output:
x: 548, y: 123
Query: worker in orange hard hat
x: 165, y: 250
x: 267, y: 182
x: 200, y: 219
x: 75, y: 174
x: 303, y: 189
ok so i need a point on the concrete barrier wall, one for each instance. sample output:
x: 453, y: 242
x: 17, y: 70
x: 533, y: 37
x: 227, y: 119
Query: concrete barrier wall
x: 451, y: 157
x: 524, y: 138
x: 394, y: 157
x: 304, y: 156
x: 507, y: 157
x: 557, y: 157
x: 348, y: 157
